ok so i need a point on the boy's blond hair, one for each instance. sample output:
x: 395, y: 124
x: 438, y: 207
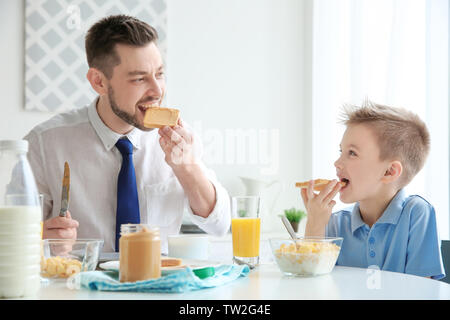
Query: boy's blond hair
x: 401, y: 135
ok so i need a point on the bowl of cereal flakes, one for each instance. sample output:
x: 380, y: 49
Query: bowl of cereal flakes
x: 309, y: 256
x: 62, y: 258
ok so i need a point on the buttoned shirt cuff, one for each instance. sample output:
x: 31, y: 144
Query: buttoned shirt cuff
x: 219, y: 220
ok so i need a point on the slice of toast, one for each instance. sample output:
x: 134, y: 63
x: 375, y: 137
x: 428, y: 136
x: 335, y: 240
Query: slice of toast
x: 319, y: 184
x: 157, y: 117
x: 170, y: 262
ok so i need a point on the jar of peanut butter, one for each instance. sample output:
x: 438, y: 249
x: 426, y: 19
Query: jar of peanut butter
x: 140, y: 252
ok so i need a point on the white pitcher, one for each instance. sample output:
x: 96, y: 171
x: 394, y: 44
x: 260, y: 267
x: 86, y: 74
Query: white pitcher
x: 256, y: 187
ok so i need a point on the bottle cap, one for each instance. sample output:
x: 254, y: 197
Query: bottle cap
x: 205, y: 272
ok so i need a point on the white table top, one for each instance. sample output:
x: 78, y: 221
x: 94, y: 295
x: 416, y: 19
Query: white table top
x: 266, y: 282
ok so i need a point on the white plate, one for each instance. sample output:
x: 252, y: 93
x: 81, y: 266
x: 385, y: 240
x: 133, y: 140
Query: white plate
x: 110, y: 265
x: 193, y: 264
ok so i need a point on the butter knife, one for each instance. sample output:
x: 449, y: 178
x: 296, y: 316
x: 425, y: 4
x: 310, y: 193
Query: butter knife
x: 65, y: 191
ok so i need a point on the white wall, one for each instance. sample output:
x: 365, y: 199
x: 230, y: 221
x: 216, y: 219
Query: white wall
x: 231, y: 65
x: 240, y: 65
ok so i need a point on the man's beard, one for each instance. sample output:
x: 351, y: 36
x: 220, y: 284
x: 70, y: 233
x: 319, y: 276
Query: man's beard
x: 128, y: 118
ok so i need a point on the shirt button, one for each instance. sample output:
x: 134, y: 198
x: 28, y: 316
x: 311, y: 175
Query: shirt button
x: 371, y: 240
x: 372, y: 254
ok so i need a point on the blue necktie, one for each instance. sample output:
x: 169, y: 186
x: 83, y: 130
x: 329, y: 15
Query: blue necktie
x: 127, y: 195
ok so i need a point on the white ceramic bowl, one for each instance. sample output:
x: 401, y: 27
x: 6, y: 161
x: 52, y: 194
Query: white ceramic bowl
x: 189, y: 246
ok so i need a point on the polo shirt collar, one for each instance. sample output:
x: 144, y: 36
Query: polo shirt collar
x: 390, y: 215
x: 356, y: 220
x: 394, y: 209
x: 108, y: 136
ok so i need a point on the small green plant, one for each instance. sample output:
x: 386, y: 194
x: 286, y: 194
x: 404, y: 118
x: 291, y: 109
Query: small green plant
x: 242, y: 213
x: 294, y: 215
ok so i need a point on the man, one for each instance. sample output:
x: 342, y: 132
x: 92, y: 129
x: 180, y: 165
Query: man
x: 127, y: 72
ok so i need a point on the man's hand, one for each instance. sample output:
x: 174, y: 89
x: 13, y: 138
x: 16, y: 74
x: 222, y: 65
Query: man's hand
x: 60, y: 228
x: 177, y: 144
x: 319, y: 207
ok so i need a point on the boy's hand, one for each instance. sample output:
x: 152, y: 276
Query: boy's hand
x: 319, y: 207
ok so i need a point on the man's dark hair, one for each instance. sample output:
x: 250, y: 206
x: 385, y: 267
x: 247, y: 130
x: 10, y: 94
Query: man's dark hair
x: 103, y: 36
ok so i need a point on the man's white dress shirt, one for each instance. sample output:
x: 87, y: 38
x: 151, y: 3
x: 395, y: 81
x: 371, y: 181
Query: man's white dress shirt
x: 82, y: 139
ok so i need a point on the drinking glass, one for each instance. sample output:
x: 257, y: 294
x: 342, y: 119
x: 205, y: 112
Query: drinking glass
x: 246, y: 229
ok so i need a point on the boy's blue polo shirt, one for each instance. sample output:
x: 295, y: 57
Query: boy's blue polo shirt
x: 404, y: 239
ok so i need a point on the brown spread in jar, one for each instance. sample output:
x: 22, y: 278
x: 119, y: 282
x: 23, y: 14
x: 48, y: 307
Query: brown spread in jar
x: 140, y: 253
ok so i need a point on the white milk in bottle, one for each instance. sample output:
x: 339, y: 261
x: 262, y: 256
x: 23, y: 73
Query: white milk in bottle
x: 20, y: 217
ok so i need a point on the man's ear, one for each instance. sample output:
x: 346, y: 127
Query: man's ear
x: 393, y: 172
x: 98, y: 81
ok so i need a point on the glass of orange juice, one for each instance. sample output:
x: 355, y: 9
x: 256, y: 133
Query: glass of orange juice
x: 246, y: 229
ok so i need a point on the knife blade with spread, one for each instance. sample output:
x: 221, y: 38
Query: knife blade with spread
x: 65, y: 191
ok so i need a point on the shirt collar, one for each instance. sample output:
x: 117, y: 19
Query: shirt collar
x: 356, y: 219
x: 108, y: 136
x: 390, y: 215
x: 394, y: 209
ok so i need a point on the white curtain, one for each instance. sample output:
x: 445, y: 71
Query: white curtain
x: 393, y: 52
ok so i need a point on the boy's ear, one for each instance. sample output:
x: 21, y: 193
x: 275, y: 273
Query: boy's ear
x: 393, y: 172
x: 97, y: 80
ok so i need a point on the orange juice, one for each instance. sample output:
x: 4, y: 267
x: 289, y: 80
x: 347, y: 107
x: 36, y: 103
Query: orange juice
x: 246, y: 234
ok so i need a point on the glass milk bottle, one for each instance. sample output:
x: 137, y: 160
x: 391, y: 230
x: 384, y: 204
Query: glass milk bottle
x: 20, y: 216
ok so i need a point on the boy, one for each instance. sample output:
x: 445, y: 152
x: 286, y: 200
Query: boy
x: 382, y: 149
